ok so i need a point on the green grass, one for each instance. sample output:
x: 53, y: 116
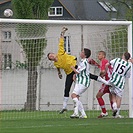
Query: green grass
x: 52, y: 122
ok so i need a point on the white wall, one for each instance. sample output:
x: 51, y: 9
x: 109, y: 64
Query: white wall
x: 14, y: 89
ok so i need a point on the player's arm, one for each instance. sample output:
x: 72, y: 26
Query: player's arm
x: 128, y: 74
x: 92, y: 76
x: 59, y: 73
x: 98, y: 78
x: 93, y: 62
x: 64, y: 29
x: 74, y: 69
x: 106, y: 66
x: 61, y: 50
x: 102, y: 73
x: 79, y: 68
x: 74, y: 77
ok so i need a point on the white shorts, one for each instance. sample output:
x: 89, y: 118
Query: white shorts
x: 79, y: 89
x: 116, y: 91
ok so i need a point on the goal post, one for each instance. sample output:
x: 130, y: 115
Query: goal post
x: 130, y: 48
x: 33, y: 84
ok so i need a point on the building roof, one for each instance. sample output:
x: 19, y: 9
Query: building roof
x: 4, y: 4
x: 87, y: 10
x: 4, y: 1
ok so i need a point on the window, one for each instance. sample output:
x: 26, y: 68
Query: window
x: 55, y: 11
x: 6, y: 35
x: 67, y: 44
x: 130, y: 7
x: 104, y: 6
x: 111, y: 7
x: 6, y: 61
x: 107, y: 6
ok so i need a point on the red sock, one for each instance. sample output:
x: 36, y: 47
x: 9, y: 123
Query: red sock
x: 102, y: 104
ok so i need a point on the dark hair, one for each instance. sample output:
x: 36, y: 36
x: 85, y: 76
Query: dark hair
x: 127, y: 55
x: 87, y: 52
x: 104, y: 53
x: 48, y: 56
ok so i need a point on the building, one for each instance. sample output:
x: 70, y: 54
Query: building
x: 81, y: 10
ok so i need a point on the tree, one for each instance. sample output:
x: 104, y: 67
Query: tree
x: 31, y: 40
x: 125, y: 6
x: 125, y: 10
x: 118, y: 43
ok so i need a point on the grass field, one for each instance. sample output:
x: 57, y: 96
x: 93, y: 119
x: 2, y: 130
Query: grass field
x: 52, y: 122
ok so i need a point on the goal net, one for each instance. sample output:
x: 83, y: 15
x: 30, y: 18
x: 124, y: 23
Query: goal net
x: 29, y: 83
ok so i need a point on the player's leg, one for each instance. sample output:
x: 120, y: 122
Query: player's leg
x: 75, y: 99
x: 78, y: 90
x: 118, y: 108
x: 68, y: 84
x: 114, y: 105
x: 81, y: 110
x: 110, y: 99
x: 104, y: 89
x: 118, y: 101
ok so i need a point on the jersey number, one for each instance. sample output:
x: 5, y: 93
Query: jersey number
x: 120, y: 68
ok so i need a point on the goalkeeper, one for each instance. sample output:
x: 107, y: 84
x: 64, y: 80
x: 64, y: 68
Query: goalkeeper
x: 64, y: 61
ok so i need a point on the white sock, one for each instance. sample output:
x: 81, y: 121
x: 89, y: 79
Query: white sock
x: 118, y: 111
x: 114, y: 106
x: 76, y: 104
x: 102, y: 80
x: 81, y: 109
x: 65, y: 100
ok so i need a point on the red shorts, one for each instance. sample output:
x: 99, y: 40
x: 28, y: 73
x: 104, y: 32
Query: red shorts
x: 104, y: 89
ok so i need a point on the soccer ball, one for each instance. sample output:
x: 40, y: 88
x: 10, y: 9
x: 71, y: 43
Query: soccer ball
x: 8, y: 13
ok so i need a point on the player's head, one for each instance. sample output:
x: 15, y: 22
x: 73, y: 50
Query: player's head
x: 51, y: 56
x: 126, y: 56
x: 101, y: 55
x: 85, y: 53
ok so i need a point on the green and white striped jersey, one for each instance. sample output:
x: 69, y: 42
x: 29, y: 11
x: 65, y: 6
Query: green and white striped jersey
x: 121, y: 71
x: 83, y: 73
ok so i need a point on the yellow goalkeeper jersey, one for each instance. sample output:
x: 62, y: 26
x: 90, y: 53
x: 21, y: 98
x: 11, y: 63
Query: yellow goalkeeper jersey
x: 65, y: 61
